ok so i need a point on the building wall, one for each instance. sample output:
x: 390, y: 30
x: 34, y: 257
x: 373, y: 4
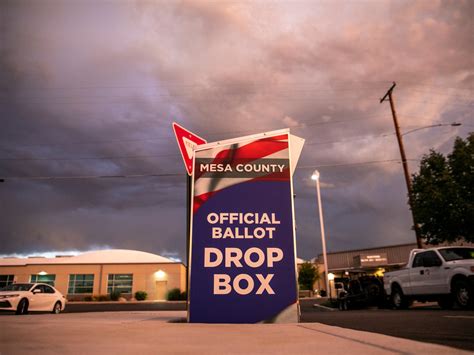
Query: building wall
x: 397, y: 254
x: 144, y: 276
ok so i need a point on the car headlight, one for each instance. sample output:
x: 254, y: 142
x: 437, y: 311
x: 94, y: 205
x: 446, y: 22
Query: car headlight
x: 9, y: 296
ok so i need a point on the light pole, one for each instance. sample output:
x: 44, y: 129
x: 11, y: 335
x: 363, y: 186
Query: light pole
x: 315, y: 177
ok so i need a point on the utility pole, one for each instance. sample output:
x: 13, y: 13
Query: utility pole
x: 404, y: 161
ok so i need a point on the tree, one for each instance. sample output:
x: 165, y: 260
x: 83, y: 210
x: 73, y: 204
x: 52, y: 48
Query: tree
x: 307, y: 276
x: 443, y: 196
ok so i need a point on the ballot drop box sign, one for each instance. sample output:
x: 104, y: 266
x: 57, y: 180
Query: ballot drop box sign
x: 242, y: 260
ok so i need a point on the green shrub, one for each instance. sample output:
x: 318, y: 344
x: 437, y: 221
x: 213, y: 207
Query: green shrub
x: 307, y: 275
x: 173, y: 294
x: 115, y: 295
x: 88, y: 298
x: 100, y: 298
x: 141, y: 295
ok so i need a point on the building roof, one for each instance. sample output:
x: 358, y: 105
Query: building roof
x: 299, y: 261
x: 112, y: 256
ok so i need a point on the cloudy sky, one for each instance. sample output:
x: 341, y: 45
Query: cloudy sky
x: 90, y: 88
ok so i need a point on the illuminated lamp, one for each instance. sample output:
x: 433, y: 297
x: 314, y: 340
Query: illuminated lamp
x: 160, y: 275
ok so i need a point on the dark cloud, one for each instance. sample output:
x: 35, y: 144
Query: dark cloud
x: 91, y: 88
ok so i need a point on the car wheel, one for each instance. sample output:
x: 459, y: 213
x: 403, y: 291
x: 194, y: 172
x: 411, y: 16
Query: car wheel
x: 346, y: 305
x: 22, y: 307
x: 446, y: 302
x: 57, y: 308
x: 342, y: 305
x: 462, y: 294
x: 398, y: 299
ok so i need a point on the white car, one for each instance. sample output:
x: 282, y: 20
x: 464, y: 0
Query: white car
x: 24, y: 297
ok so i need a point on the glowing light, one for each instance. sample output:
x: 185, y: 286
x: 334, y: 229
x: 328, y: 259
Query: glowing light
x: 42, y: 273
x: 160, y: 275
x: 315, y: 175
x: 330, y: 276
x: 379, y: 272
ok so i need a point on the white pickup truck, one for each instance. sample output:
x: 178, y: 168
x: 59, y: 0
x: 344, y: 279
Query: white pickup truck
x: 444, y: 274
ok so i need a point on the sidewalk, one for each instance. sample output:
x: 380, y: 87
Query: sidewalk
x: 152, y: 333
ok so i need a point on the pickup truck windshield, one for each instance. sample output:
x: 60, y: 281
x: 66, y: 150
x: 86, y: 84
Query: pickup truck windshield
x: 450, y: 254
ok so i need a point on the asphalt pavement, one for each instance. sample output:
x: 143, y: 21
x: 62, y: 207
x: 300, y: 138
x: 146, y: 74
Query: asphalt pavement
x: 454, y: 328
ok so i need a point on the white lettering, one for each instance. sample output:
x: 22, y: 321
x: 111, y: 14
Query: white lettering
x: 265, y: 284
x: 233, y: 255
x: 240, y: 290
x: 216, y: 232
x: 248, y: 259
x: 274, y: 255
x: 207, y: 257
x: 222, y: 284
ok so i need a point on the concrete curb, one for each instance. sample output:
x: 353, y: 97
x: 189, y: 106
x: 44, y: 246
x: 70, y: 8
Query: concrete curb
x: 125, y: 302
x: 152, y: 332
x: 328, y: 309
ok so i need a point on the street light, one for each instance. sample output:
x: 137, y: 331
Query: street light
x: 315, y: 177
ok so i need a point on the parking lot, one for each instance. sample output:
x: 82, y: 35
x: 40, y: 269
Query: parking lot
x: 427, y: 323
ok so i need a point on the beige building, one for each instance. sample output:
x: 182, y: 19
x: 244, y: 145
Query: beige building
x: 99, y: 273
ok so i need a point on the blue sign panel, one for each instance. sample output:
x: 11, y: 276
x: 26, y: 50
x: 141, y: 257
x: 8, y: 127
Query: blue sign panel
x: 242, y: 263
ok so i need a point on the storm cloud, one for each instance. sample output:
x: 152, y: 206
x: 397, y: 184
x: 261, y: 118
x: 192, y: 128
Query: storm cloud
x: 90, y: 88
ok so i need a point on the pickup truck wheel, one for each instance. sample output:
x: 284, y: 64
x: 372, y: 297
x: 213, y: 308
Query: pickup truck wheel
x: 462, y: 294
x: 446, y: 302
x: 342, y: 305
x: 398, y: 299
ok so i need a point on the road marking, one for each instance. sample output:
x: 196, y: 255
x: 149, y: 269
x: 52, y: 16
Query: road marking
x: 463, y: 317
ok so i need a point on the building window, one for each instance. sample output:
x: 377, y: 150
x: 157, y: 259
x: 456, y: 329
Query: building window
x: 6, y: 280
x: 80, y: 283
x: 46, y: 279
x: 120, y: 282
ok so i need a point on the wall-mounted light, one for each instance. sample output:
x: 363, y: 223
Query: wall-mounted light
x: 330, y: 276
x: 42, y: 273
x: 160, y: 275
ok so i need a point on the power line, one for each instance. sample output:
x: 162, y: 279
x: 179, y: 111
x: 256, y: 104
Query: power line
x: 77, y: 177
x: 6, y: 178
x: 154, y: 156
x: 163, y: 84
x: 304, y: 124
x: 352, y: 164
x: 92, y: 158
x: 340, y: 85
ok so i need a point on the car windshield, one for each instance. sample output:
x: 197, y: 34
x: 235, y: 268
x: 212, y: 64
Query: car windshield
x: 450, y: 254
x: 17, y: 287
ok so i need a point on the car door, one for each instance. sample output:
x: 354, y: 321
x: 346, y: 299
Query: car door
x: 416, y: 275
x: 50, y: 297
x: 433, y: 275
x: 39, y: 299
